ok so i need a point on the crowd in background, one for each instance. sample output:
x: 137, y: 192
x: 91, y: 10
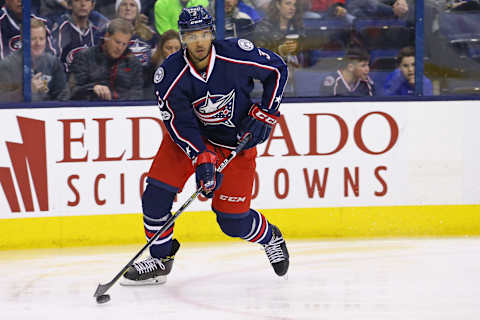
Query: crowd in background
x: 109, y: 50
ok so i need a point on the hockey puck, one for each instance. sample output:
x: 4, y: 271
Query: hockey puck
x: 104, y: 298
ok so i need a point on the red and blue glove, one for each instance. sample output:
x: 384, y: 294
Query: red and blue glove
x: 206, y: 174
x: 259, y: 123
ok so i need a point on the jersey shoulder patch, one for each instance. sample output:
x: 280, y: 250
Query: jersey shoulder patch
x: 159, y: 74
x: 328, y: 81
x: 245, y: 44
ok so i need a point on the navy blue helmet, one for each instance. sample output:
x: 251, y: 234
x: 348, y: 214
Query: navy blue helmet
x: 195, y: 18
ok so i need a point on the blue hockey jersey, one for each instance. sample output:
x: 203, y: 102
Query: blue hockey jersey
x: 210, y: 104
x: 334, y: 84
x: 10, y: 35
x: 70, y: 39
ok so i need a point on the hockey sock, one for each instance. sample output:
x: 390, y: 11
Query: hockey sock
x: 157, y: 203
x: 253, y: 226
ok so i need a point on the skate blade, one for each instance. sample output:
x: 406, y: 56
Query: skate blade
x: 149, y: 282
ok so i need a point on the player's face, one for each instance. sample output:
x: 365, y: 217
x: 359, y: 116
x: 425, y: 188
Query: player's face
x: 361, y: 70
x: 198, y: 43
x: 38, y: 41
x: 82, y: 8
x: 15, y: 6
x: 407, y: 67
x: 116, y: 44
x: 170, y: 46
x: 128, y: 10
x: 287, y: 8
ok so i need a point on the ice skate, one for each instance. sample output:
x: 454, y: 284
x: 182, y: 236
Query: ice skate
x: 150, y: 271
x: 277, y: 252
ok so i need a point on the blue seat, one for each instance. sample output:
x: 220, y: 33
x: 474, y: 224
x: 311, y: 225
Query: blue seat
x: 379, y: 78
x: 327, y: 33
x: 307, y: 82
x: 383, y: 59
x: 383, y: 33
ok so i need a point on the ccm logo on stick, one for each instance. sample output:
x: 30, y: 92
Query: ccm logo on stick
x: 232, y: 198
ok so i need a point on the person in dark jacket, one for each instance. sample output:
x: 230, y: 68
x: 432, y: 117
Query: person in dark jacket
x: 48, y: 77
x: 282, y: 31
x: 108, y: 71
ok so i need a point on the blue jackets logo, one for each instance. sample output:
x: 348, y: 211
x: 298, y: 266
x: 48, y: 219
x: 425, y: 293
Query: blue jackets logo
x: 216, y: 109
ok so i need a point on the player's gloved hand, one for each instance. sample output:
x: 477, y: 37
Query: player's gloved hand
x: 206, y: 174
x: 259, y: 124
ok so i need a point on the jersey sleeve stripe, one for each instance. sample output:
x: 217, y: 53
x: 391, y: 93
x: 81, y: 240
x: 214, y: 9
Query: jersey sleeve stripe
x: 175, y: 82
x: 277, y: 82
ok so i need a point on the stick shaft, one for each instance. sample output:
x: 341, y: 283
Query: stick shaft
x: 103, y: 288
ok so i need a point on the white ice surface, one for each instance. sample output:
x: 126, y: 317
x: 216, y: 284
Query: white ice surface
x: 364, y: 279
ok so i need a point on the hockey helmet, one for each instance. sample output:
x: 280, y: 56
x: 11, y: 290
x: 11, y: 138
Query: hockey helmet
x: 195, y: 18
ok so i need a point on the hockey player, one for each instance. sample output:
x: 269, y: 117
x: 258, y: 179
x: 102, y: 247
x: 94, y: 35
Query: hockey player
x: 352, y: 79
x: 203, y: 92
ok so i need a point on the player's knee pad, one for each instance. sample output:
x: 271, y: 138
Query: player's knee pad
x: 235, y: 225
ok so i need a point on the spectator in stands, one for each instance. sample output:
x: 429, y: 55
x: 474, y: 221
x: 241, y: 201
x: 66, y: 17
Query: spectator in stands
x: 282, y: 30
x: 352, y: 78
x: 108, y: 71
x: 238, y: 23
x: 242, y: 6
x: 167, y: 12
x: 144, y: 38
x: 323, y: 9
x: 76, y: 31
x: 463, y: 5
x: 10, y: 25
x: 401, y: 82
x: 379, y: 8
x: 169, y: 43
x: 48, y: 78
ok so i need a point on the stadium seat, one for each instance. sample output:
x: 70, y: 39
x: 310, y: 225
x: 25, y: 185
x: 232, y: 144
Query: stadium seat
x: 463, y: 86
x: 461, y: 31
x: 379, y: 78
x: 307, y: 82
x: 383, y: 33
x: 383, y: 59
x: 326, y: 33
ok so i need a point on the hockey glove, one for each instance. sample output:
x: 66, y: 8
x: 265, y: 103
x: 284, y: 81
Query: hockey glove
x: 206, y: 174
x: 259, y: 124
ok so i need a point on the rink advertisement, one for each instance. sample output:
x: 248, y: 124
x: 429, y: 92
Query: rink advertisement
x: 94, y: 161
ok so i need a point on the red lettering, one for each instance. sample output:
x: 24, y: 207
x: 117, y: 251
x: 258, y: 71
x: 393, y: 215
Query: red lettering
x: 314, y: 132
x: 357, y: 133
x: 285, y: 137
x: 75, y: 202
x: 122, y: 188
x: 136, y: 136
x: 316, y: 182
x: 99, y: 201
x: 381, y: 180
x: 348, y: 180
x: 68, y: 140
x: 283, y: 172
x: 102, y: 142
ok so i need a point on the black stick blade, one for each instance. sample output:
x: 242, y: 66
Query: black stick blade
x: 101, y: 289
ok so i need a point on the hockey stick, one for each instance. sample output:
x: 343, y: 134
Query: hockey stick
x: 103, y: 288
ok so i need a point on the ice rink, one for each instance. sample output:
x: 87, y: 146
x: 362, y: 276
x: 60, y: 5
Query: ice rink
x: 361, y: 279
